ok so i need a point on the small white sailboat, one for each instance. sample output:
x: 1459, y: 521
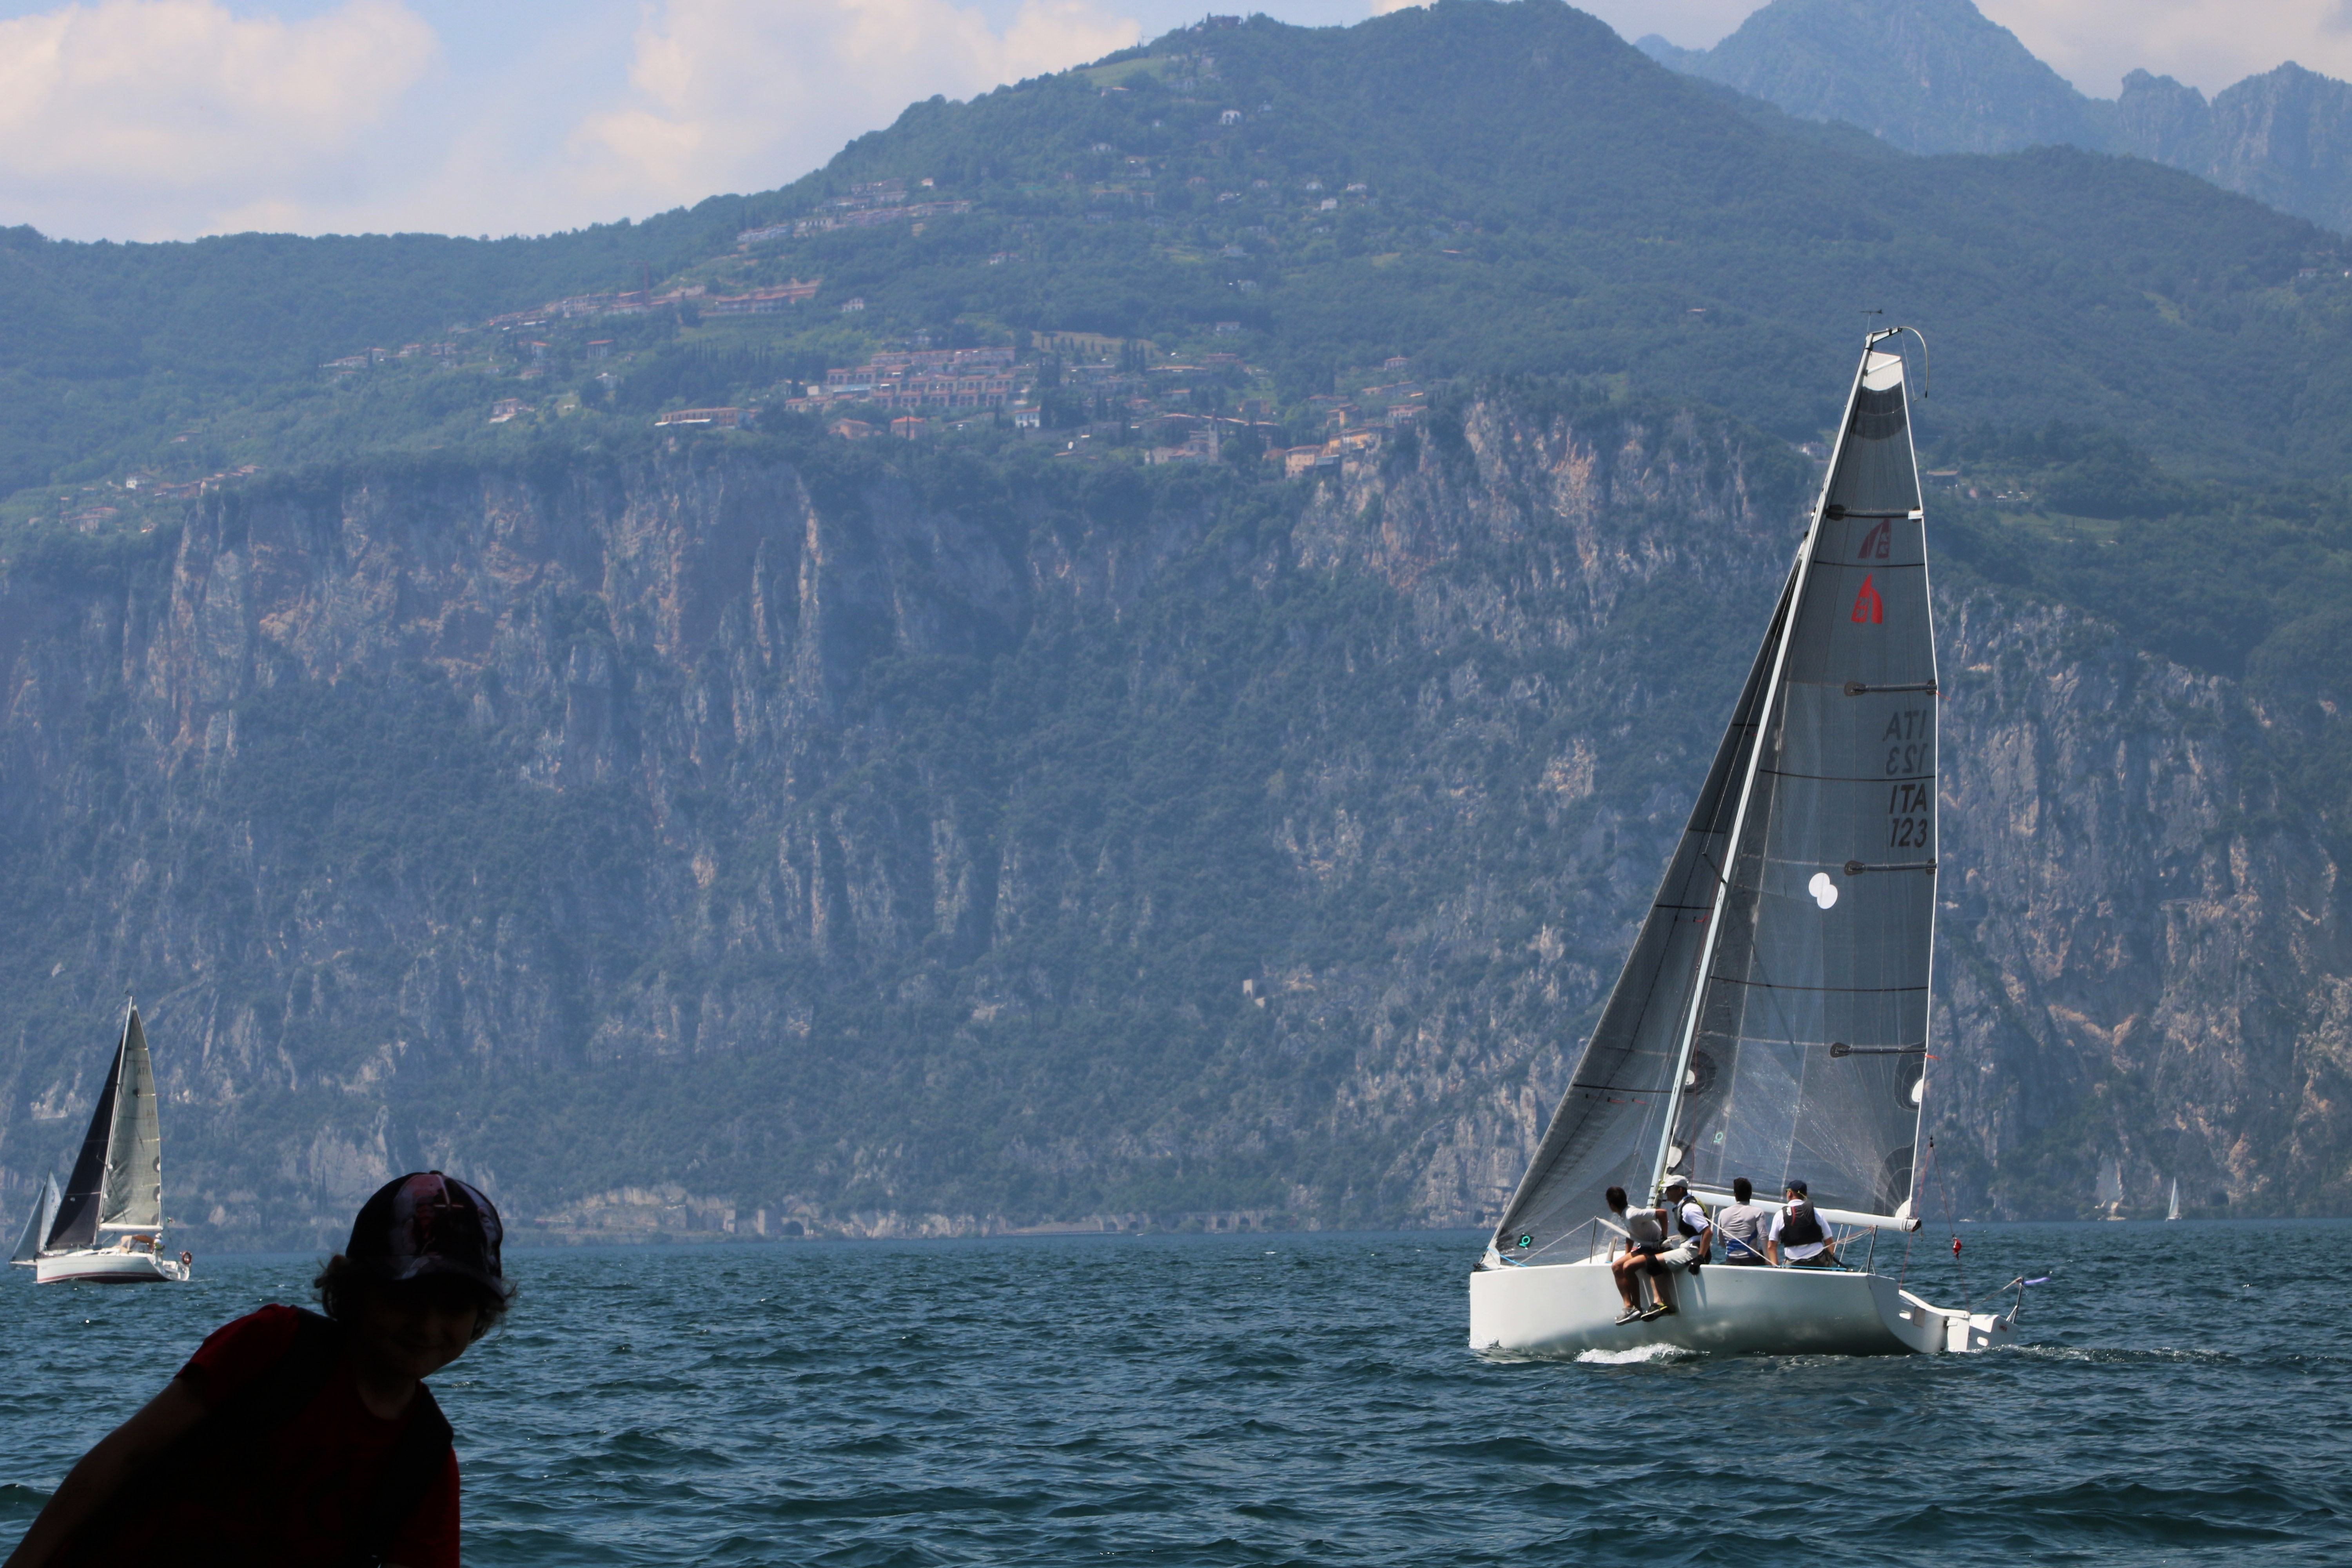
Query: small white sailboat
x: 1771, y: 1020
x: 37, y: 1224
x: 107, y: 1227
x: 2111, y: 1188
x: 2172, y: 1209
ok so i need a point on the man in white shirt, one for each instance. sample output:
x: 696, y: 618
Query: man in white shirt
x: 1798, y: 1239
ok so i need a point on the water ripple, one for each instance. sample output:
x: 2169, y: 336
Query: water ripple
x: 1213, y: 1402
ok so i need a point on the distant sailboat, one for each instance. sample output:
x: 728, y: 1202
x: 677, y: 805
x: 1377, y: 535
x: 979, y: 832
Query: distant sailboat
x: 37, y: 1222
x: 107, y: 1228
x: 1771, y: 1020
x: 2111, y: 1188
x: 2172, y: 1210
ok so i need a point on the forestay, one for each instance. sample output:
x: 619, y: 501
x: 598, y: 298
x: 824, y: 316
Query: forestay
x: 1806, y: 1044
x: 1811, y: 1038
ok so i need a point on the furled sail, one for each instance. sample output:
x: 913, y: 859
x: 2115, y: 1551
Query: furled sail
x: 37, y: 1222
x: 132, y: 1197
x: 1605, y: 1132
x: 1810, y: 1043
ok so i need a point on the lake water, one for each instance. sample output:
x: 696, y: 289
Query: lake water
x: 1307, y: 1399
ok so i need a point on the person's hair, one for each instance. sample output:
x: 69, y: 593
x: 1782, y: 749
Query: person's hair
x: 1616, y: 1196
x: 342, y: 1286
x: 1740, y: 1189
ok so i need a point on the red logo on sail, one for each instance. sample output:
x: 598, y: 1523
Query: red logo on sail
x: 1869, y: 609
x: 1879, y: 542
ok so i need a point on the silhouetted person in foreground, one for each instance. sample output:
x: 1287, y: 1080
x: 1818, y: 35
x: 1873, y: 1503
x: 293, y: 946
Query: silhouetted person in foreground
x: 292, y: 1439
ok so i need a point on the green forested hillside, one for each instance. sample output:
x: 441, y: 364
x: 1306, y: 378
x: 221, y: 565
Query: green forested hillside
x: 1510, y: 188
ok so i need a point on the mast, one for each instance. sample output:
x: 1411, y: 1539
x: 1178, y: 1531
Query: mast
x: 1771, y: 695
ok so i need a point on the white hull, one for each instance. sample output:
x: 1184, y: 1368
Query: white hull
x: 107, y: 1266
x: 1567, y: 1308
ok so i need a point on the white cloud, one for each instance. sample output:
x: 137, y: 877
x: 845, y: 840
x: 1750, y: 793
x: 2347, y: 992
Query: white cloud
x: 743, y: 95
x: 2209, y: 44
x: 181, y: 112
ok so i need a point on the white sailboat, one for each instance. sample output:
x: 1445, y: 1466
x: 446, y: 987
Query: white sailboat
x: 107, y: 1228
x: 1771, y: 1020
x: 2172, y: 1210
x: 36, y: 1224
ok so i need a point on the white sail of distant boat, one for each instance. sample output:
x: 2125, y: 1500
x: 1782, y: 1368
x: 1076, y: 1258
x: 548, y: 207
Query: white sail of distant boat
x: 108, y: 1223
x: 37, y: 1222
x: 2172, y: 1210
x: 1771, y: 1019
x: 2111, y: 1188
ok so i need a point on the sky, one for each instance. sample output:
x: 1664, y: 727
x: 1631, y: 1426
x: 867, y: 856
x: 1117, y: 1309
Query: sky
x: 170, y: 119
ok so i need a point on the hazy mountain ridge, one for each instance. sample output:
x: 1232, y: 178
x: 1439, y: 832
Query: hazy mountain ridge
x: 1939, y: 76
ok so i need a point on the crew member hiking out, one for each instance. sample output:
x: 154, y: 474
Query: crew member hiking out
x: 1696, y: 1234
x: 290, y: 1439
x: 1646, y: 1238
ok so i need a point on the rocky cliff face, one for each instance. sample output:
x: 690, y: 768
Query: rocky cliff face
x: 758, y: 836
x: 2284, y: 137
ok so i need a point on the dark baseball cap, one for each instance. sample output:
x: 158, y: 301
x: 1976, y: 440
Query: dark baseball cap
x: 426, y: 1225
x: 1797, y: 1188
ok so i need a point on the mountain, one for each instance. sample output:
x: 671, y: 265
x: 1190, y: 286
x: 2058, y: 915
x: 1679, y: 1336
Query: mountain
x: 687, y: 829
x: 1938, y: 75
x: 1927, y: 76
x: 2284, y: 138
x: 1530, y: 194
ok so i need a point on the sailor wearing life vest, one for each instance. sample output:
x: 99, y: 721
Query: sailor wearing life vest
x: 1691, y: 1224
x: 1798, y: 1240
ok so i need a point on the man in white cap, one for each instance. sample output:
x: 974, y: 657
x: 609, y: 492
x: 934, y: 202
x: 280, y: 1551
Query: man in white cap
x: 1694, y: 1230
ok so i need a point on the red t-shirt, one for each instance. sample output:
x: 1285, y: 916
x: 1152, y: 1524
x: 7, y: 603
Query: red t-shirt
x: 315, y: 1475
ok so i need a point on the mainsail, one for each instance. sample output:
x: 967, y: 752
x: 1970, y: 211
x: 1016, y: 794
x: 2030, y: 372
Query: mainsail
x: 1801, y: 1054
x: 133, y: 1194
x: 37, y: 1222
x: 117, y: 1179
x: 1811, y: 1044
